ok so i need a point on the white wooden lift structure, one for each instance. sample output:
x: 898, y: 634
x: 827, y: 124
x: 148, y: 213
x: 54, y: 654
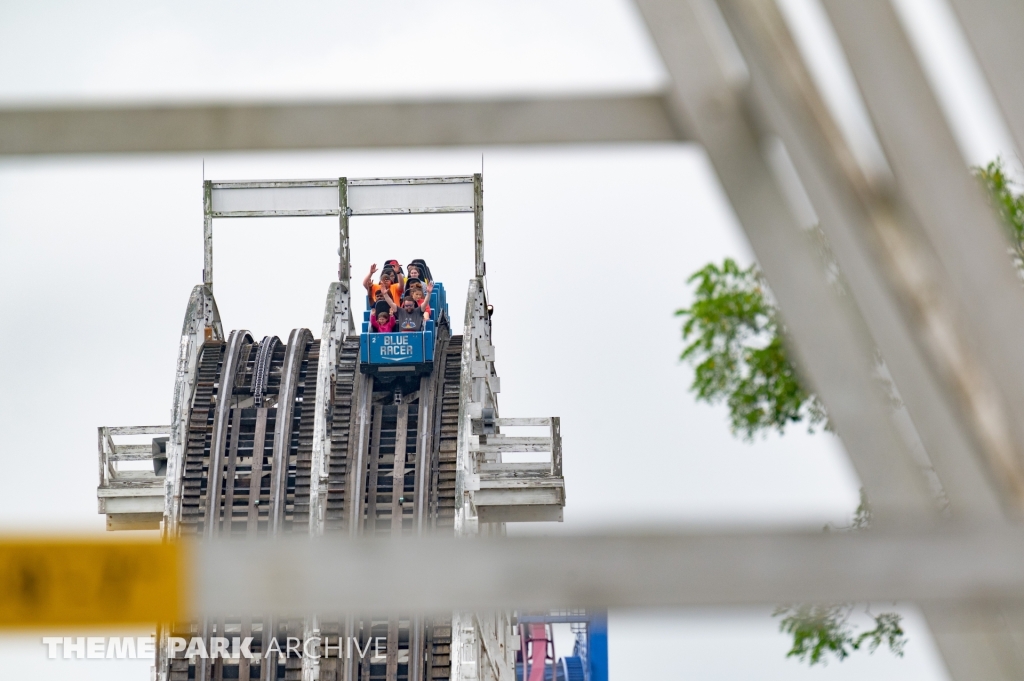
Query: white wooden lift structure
x: 930, y: 286
x: 488, y: 491
x: 496, y: 492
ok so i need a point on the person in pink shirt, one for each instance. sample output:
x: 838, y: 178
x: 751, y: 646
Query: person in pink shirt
x: 383, y: 319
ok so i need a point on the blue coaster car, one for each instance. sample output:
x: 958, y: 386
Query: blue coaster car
x: 402, y: 353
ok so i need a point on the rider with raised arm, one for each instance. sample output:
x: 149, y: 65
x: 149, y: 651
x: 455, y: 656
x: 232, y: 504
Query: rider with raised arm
x: 410, y: 316
x: 387, y: 282
x: 422, y: 300
x: 397, y: 275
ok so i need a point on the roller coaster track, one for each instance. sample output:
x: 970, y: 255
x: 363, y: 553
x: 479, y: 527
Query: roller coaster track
x: 269, y: 438
x: 247, y: 470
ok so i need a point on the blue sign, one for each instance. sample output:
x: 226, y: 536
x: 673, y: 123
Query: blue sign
x: 396, y: 348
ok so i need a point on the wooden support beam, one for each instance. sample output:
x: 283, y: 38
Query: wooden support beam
x: 871, y: 242
x: 369, y: 523
x: 929, y: 564
x: 830, y: 339
x: 994, y: 28
x: 259, y: 445
x: 398, y: 473
x: 955, y: 218
x: 236, y: 127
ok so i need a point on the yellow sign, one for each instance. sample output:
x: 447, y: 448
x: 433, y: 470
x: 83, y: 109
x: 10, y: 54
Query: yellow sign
x: 78, y: 582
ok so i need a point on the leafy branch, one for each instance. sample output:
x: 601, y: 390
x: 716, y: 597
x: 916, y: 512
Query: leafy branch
x: 820, y: 630
x: 1007, y: 197
x: 735, y: 343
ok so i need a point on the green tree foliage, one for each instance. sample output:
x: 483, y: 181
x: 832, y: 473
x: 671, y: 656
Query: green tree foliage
x: 1007, y: 198
x: 822, y: 630
x: 735, y: 344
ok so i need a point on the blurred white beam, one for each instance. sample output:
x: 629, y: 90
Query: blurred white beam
x: 956, y: 78
x: 830, y: 339
x: 994, y: 29
x: 857, y: 219
x: 960, y: 227
x: 235, y: 127
x: 937, y: 199
x: 980, y: 641
x: 301, y: 576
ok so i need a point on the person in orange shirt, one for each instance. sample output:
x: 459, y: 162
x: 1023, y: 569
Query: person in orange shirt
x: 387, y: 280
x: 397, y: 275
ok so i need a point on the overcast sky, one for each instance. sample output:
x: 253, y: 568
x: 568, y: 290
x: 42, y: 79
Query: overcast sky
x: 98, y: 256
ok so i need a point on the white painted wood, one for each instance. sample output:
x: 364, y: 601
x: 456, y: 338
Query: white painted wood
x: 519, y: 483
x: 202, y: 323
x: 494, y: 632
x: 274, y: 199
x: 502, y: 438
x: 857, y: 219
x: 545, y: 421
x: 933, y: 176
x: 828, y: 335
x: 424, y: 179
x: 517, y: 492
x: 422, y: 197
x: 138, y: 476
x: 283, y: 424
x: 484, y: 121
x: 146, y: 490
x: 527, y: 468
x: 129, y: 496
x: 485, y: 350
x: 335, y: 327
x: 134, y: 521
x: 132, y: 452
x: 981, y: 287
x: 525, y: 495
x: 476, y: 325
x: 550, y: 513
x: 677, y: 568
x: 138, y: 430
x: 993, y: 29
x: 510, y: 447
x: 114, y: 506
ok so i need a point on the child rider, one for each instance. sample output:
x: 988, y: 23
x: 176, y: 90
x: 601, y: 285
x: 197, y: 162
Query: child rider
x: 423, y: 301
x: 383, y: 319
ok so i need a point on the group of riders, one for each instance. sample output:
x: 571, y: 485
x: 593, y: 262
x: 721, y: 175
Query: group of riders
x: 400, y: 300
